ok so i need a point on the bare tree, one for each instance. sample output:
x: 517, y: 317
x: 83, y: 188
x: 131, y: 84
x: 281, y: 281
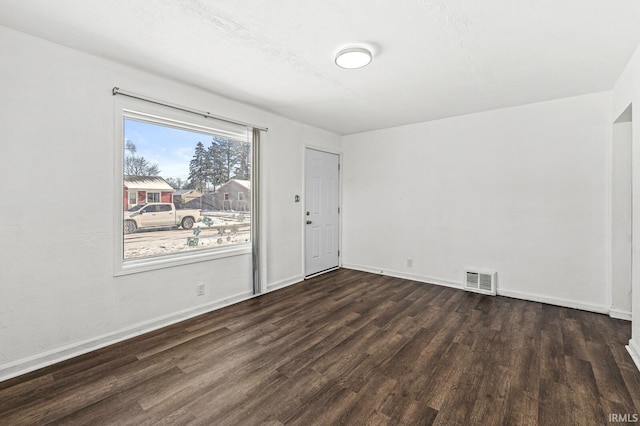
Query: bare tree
x: 137, y: 165
x: 176, y: 183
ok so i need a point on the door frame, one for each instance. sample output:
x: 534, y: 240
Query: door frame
x: 304, y: 203
x: 624, y: 117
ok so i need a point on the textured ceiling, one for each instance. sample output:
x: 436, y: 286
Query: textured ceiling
x: 432, y: 58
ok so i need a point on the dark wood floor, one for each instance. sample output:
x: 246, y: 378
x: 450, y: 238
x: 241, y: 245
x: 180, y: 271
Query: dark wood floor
x: 348, y: 348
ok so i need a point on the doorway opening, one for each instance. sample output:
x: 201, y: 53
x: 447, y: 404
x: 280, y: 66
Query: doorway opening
x: 621, y: 216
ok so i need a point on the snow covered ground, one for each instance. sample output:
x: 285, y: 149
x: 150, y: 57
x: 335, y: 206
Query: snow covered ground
x: 227, y: 230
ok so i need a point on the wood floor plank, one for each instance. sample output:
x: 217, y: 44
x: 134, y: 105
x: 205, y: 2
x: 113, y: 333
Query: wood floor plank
x: 64, y: 403
x: 230, y: 399
x: 611, y: 386
x: 458, y: 405
x: 347, y: 347
x: 402, y: 408
x: 586, y: 406
x: 124, y: 401
x: 423, y: 375
x: 302, y: 387
x: 315, y: 410
x: 402, y: 362
x: 521, y: 408
x: 21, y: 393
x: 632, y: 383
x: 379, y: 419
x: 350, y: 351
x: 442, y: 378
x: 554, y: 404
x: 490, y: 406
x: 573, y: 339
x: 368, y: 399
x: 524, y: 365
x: 322, y: 342
x: 552, y: 352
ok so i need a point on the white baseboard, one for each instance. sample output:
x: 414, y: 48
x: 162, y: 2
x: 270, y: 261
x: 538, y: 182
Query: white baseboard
x: 285, y: 283
x: 634, y: 351
x: 501, y: 292
x: 404, y: 275
x: 618, y: 314
x: 554, y: 301
x: 35, y: 362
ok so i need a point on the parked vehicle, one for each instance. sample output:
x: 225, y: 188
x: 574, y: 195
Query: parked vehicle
x: 159, y: 215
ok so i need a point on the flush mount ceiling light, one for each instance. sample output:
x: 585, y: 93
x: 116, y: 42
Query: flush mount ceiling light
x: 353, y: 57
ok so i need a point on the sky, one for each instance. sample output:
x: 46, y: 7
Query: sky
x: 171, y: 149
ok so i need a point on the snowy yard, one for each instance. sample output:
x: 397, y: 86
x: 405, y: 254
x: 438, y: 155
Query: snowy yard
x: 227, y: 228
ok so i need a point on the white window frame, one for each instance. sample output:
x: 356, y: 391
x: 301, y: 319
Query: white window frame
x: 157, y: 193
x: 145, y: 111
x: 240, y: 196
x: 135, y: 196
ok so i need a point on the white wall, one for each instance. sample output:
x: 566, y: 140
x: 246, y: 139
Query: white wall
x: 522, y: 191
x: 58, y: 295
x: 627, y: 92
x: 621, y: 224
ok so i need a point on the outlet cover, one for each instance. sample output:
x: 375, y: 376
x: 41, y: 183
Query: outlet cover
x: 200, y: 289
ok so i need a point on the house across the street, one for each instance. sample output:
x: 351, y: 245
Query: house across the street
x: 146, y: 189
x: 234, y: 195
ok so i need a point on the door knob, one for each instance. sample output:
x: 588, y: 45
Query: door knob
x: 308, y: 222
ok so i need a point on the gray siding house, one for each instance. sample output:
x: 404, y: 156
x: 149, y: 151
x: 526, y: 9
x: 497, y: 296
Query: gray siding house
x: 234, y: 195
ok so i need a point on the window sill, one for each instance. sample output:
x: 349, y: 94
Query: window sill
x: 151, y: 264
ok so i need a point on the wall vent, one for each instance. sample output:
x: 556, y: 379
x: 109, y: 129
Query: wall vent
x: 480, y: 281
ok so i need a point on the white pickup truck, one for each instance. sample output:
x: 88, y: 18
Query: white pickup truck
x: 159, y: 215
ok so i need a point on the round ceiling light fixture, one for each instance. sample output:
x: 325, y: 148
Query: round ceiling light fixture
x: 353, y: 57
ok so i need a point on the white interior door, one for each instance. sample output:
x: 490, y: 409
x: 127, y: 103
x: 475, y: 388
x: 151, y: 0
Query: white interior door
x: 322, y: 214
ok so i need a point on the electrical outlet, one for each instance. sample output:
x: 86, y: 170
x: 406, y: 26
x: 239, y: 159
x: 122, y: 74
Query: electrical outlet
x: 409, y: 262
x: 200, y: 290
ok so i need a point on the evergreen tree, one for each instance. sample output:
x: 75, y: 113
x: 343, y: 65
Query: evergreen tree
x: 200, y: 169
x: 228, y: 151
x: 242, y: 170
x: 216, y: 157
x: 222, y: 161
x: 230, y: 159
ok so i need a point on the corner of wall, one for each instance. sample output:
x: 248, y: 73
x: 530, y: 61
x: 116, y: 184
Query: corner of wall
x: 634, y: 352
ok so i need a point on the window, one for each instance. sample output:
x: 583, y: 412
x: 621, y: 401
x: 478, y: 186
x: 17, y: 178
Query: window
x: 240, y: 196
x: 153, y: 197
x: 162, y: 154
x: 133, y: 199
